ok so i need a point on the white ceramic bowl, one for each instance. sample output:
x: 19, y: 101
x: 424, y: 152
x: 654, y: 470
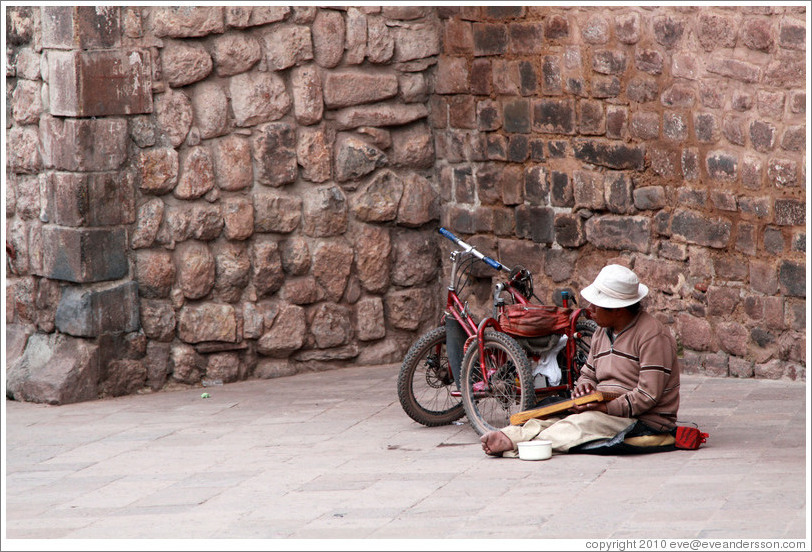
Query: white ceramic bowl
x: 535, y: 450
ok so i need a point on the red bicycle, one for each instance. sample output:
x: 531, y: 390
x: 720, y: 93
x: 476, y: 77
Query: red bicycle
x: 478, y: 369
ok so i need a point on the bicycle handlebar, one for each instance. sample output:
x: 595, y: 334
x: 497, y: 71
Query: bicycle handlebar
x: 469, y: 248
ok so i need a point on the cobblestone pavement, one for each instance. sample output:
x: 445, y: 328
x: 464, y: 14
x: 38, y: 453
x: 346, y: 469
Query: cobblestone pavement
x: 331, y: 455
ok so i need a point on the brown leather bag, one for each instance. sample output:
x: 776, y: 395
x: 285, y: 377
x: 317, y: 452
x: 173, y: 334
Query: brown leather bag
x: 534, y: 320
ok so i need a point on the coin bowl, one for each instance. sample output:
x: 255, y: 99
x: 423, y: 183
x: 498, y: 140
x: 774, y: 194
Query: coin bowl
x: 535, y: 450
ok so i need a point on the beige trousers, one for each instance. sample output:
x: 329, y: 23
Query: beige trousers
x: 567, y: 432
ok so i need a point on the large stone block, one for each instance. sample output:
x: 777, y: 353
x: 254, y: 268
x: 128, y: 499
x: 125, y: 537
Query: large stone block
x: 352, y: 87
x: 355, y: 158
x: 99, y: 82
x: 535, y: 223
x: 569, y: 230
x: 407, y: 309
x: 619, y: 232
x: 610, y: 154
x: 23, y: 150
x: 308, y: 102
x: 332, y: 264
x: 275, y: 212
x: 328, y: 33
x: 81, y: 27
x: 83, y: 144
x: 379, y: 114
x: 207, y: 322
x: 190, y: 21
x: 373, y: 247
x: 287, y: 46
x: 258, y: 97
x: 792, y: 276
x: 419, y: 203
x: 274, y: 149
x: 415, y: 259
x: 183, y: 63
x: 54, y: 369
x: 790, y: 212
x: 554, y: 116
x: 235, y: 53
x: 287, y: 334
x: 97, y: 310
x: 696, y: 228
x: 83, y: 255
x: 490, y: 39
x: 89, y: 199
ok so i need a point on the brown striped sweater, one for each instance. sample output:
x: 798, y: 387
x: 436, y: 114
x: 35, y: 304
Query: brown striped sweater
x: 641, y: 364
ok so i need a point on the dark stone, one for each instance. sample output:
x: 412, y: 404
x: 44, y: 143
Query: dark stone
x: 481, y: 77
x: 490, y: 39
x: 569, y: 230
x: 517, y: 116
x: 463, y: 185
x: 706, y: 127
x: 561, y: 194
x: 696, y: 228
x: 773, y: 240
x: 528, y: 80
x: 554, y: 116
x: 610, y: 154
x: 517, y: 148
x: 649, y: 61
x: 551, y: 75
x: 792, y: 277
x: 609, y: 62
x: 536, y: 150
x: 84, y: 255
x: 619, y: 232
x: 762, y: 136
x: 642, y: 89
x: 668, y: 30
x: 54, y: 369
x: 535, y: 223
x: 619, y: 193
x: 556, y: 26
x: 604, y: 86
x: 536, y: 188
x: 790, y: 212
x: 722, y: 165
x: 557, y: 148
x: 496, y: 147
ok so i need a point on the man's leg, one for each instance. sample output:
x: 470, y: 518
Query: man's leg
x: 577, y: 429
x: 503, y: 440
x: 564, y: 433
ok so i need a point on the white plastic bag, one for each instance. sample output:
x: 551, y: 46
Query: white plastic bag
x: 548, y: 365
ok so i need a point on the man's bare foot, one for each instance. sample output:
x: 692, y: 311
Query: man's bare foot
x: 494, y: 443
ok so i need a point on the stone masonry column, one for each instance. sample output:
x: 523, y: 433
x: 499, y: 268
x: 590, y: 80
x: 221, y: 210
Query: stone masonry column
x: 87, y: 198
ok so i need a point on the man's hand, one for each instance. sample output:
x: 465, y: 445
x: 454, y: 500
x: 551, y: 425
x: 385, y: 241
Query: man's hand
x: 585, y: 389
x: 590, y: 407
x: 582, y: 389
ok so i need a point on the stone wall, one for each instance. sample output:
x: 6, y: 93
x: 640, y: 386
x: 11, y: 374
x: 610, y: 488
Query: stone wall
x: 671, y: 140
x: 219, y: 193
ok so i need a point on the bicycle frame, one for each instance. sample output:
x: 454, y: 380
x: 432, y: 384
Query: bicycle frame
x: 459, y: 311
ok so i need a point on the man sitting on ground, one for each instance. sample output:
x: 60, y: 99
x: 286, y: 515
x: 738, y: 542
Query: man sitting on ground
x: 633, y: 355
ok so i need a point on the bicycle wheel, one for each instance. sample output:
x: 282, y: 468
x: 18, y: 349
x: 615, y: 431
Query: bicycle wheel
x: 425, y: 382
x: 509, y: 387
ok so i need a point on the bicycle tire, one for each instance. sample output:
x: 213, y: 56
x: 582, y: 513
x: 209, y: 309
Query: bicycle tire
x: 586, y: 329
x: 424, y: 382
x: 490, y: 409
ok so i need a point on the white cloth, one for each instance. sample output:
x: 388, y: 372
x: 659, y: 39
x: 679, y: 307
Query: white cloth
x: 548, y: 364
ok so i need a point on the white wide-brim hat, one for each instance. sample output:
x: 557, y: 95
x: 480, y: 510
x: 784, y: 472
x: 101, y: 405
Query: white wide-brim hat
x: 616, y: 286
